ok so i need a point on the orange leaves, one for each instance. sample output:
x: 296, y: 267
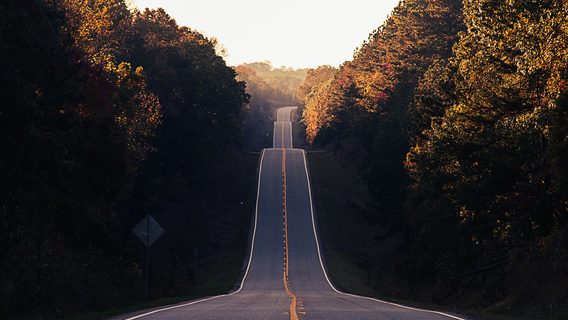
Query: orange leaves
x: 376, y: 86
x: 392, y: 60
x: 99, y: 27
x: 102, y: 30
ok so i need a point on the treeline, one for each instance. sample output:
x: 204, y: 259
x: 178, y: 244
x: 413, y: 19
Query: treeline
x: 107, y: 114
x: 269, y: 88
x: 279, y: 84
x: 456, y: 114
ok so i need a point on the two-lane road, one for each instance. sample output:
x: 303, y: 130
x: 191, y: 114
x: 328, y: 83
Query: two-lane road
x: 282, y: 137
x: 285, y: 276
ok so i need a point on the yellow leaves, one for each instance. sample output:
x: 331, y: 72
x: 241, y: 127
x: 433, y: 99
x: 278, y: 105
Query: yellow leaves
x: 144, y: 115
x: 123, y: 70
x: 452, y: 167
x: 151, y: 103
x: 121, y: 120
x: 320, y: 107
x: 139, y: 71
x: 510, y: 46
x: 457, y: 109
x: 410, y: 160
x: 466, y: 214
x: 456, y: 124
x: 502, y: 230
x: 136, y: 110
x: 125, y: 77
x: 99, y: 27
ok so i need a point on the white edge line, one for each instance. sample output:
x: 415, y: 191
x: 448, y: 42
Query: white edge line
x: 325, y: 273
x: 274, y: 136
x: 280, y: 121
x: 291, y: 139
x: 248, y: 265
x: 255, y: 222
x: 290, y: 123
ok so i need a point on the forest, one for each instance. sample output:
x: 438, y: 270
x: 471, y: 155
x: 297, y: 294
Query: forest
x: 109, y: 114
x: 456, y: 114
x: 269, y: 88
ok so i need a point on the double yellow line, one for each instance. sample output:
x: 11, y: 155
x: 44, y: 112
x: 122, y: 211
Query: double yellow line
x: 289, y: 292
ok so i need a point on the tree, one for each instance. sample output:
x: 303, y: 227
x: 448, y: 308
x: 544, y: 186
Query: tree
x: 66, y: 158
x: 314, y: 78
x: 490, y: 151
x: 98, y: 99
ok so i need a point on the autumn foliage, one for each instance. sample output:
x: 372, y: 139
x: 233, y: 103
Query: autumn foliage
x: 269, y: 88
x: 96, y: 97
x: 456, y: 114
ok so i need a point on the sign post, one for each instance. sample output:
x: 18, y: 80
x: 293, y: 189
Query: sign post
x: 148, y: 231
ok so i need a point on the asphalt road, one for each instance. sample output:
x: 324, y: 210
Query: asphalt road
x: 285, y: 277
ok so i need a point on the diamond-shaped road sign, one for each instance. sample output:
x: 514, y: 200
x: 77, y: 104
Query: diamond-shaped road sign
x: 148, y: 230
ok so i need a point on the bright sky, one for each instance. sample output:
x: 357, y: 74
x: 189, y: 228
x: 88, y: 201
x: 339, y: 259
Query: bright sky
x: 294, y: 33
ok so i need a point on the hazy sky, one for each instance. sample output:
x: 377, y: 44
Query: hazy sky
x: 296, y: 33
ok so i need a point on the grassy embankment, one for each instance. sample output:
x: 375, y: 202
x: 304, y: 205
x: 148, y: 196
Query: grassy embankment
x: 341, y: 201
x: 231, y: 204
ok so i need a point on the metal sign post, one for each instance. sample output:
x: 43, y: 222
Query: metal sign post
x: 148, y: 231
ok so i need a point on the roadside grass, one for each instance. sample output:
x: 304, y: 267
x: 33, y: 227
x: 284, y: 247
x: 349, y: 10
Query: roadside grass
x: 340, y: 200
x: 133, y: 308
x: 220, y: 275
x: 231, y: 219
x: 347, y: 235
x: 297, y: 139
x: 298, y: 131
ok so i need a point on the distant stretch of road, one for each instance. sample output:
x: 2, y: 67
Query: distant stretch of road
x: 285, y: 277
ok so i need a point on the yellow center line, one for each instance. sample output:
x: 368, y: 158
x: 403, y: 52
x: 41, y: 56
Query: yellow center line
x: 293, y: 303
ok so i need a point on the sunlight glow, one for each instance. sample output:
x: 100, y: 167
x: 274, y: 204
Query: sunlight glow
x: 296, y: 33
